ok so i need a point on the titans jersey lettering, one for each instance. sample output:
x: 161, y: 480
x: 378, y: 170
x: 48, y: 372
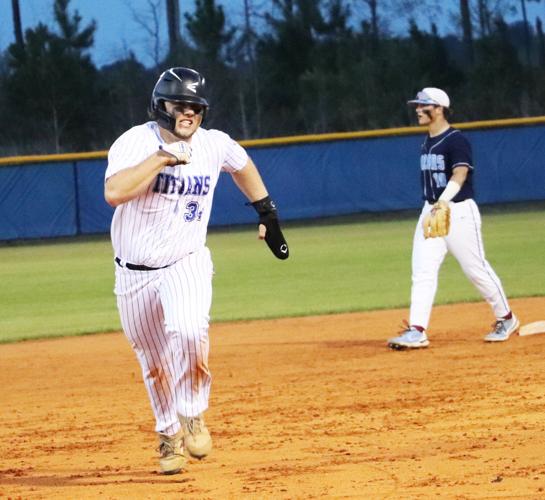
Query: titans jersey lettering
x: 191, y: 184
x: 440, y: 156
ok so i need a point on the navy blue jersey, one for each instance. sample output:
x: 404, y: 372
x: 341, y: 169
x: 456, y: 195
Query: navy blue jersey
x: 440, y: 155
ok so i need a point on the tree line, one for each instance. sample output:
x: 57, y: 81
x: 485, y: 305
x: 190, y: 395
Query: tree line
x: 309, y: 68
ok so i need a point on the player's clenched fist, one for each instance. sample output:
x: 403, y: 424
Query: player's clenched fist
x: 180, y: 150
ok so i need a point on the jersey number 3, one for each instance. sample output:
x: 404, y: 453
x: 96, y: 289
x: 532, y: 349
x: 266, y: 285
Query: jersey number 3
x: 193, y: 212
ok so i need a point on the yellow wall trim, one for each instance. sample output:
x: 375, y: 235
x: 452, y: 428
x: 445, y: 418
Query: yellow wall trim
x: 296, y: 139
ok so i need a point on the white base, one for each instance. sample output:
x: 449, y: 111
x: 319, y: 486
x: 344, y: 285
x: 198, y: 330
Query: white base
x: 532, y: 328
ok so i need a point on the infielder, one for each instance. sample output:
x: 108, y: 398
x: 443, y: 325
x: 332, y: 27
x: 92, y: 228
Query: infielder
x: 161, y: 177
x: 450, y: 222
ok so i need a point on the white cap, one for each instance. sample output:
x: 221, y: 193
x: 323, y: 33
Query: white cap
x: 431, y: 95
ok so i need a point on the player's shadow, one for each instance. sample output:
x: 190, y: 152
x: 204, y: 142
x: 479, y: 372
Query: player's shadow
x: 351, y: 344
x: 89, y: 478
x: 332, y: 344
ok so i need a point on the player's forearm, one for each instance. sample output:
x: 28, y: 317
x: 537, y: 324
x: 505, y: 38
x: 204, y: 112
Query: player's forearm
x: 249, y: 182
x: 131, y: 182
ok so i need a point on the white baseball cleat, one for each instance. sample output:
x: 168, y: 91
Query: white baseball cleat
x: 197, y: 440
x: 503, y: 329
x: 171, y: 453
x: 411, y: 338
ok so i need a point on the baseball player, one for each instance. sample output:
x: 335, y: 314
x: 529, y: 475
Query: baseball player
x: 161, y: 177
x: 450, y: 222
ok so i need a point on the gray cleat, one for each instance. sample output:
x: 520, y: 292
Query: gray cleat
x: 503, y: 329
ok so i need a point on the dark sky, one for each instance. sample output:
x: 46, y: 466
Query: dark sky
x: 118, y: 32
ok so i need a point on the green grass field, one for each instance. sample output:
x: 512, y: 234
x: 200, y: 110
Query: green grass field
x: 352, y: 264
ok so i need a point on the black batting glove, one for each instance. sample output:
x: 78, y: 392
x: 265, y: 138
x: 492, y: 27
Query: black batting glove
x: 268, y: 216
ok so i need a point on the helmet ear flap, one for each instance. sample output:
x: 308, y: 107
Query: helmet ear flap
x: 155, y: 106
x: 158, y: 113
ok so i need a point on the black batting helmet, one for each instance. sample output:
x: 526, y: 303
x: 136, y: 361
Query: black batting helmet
x: 176, y: 85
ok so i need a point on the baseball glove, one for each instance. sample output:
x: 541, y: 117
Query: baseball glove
x: 437, y: 222
x: 268, y: 216
x: 181, y: 150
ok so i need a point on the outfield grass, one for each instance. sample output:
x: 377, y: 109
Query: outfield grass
x: 352, y: 264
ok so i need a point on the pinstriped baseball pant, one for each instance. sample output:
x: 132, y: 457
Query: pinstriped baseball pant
x: 165, y: 316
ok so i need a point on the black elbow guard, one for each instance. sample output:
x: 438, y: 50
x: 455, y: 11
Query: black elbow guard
x: 268, y: 216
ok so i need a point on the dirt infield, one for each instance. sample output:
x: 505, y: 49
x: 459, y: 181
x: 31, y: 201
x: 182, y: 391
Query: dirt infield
x: 300, y: 408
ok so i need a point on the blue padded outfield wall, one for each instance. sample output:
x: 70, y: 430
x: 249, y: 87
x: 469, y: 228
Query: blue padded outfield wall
x: 308, y: 180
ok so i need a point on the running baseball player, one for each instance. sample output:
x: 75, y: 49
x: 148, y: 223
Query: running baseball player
x: 161, y: 177
x: 449, y: 222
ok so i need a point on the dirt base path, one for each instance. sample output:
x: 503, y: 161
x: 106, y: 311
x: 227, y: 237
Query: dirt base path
x: 300, y: 408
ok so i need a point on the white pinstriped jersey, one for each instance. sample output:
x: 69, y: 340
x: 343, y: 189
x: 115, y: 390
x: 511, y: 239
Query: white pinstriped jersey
x: 169, y: 220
